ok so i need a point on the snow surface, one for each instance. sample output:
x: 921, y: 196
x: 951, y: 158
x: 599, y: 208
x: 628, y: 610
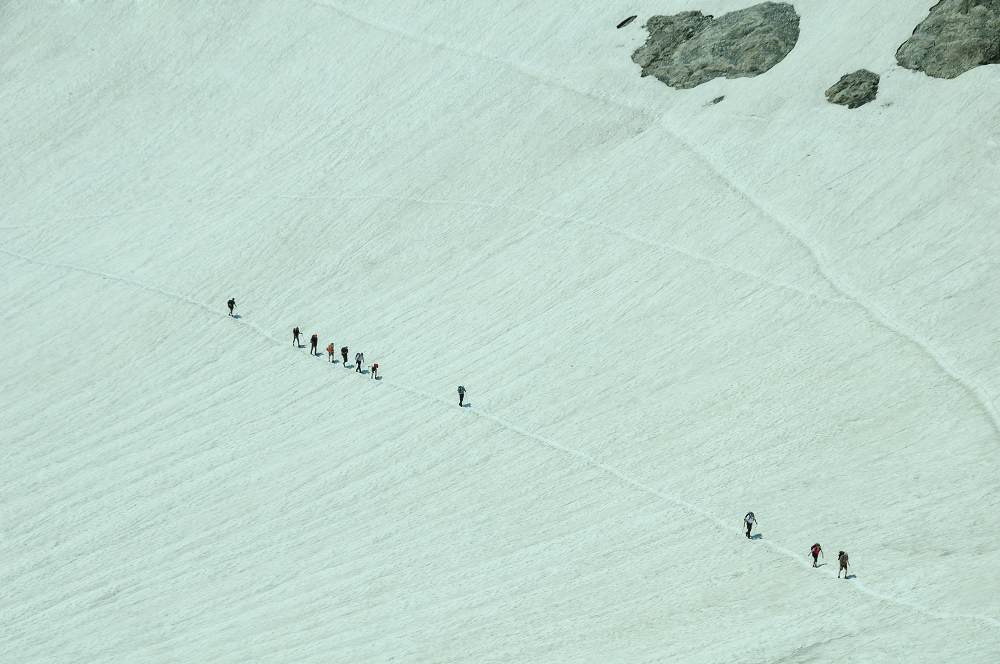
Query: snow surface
x: 667, y: 312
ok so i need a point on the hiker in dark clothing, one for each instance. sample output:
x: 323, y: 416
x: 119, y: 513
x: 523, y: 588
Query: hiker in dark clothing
x: 749, y: 520
x: 461, y: 395
x: 343, y: 354
x: 312, y: 344
x: 232, y: 305
x: 295, y: 337
x: 842, y: 557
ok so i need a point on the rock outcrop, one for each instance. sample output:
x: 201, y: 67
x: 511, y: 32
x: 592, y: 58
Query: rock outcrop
x: 957, y: 36
x: 853, y: 90
x: 688, y: 49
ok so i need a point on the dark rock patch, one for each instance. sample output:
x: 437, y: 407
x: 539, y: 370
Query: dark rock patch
x: 626, y: 22
x: 957, y: 36
x: 853, y: 90
x: 718, y: 99
x: 688, y: 49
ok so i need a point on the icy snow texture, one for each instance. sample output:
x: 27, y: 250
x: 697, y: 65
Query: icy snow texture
x: 667, y: 313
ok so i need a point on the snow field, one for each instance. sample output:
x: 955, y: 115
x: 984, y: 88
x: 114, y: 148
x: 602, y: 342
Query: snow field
x: 666, y: 315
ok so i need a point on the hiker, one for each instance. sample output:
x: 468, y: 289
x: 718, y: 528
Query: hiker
x: 232, y: 305
x: 295, y: 337
x: 330, y: 350
x: 312, y: 344
x: 358, y: 361
x: 461, y: 395
x: 374, y: 371
x: 816, y: 550
x: 343, y: 354
x: 842, y: 557
x: 749, y: 520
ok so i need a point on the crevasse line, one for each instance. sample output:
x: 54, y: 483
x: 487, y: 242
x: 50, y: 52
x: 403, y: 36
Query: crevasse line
x: 876, y: 313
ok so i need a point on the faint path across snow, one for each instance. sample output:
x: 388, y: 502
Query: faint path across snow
x: 663, y: 246
x: 133, y: 211
x: 138, y: 284
x: 479, y: 54
x: 723, y: 525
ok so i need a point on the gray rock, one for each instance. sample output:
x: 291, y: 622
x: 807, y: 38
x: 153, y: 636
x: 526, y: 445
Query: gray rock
x: 853, y: 90
x: 957, y: 36
x: 688, y: 49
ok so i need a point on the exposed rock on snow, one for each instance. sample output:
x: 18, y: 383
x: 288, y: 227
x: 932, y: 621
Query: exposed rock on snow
x: 957, y: 36
x: 855, y: 89
x: 688, y: 49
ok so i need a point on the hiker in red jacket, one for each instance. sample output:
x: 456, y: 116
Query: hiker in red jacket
x: 816, y: 550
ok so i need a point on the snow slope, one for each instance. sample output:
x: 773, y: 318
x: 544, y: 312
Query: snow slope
x: 667, y: 312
